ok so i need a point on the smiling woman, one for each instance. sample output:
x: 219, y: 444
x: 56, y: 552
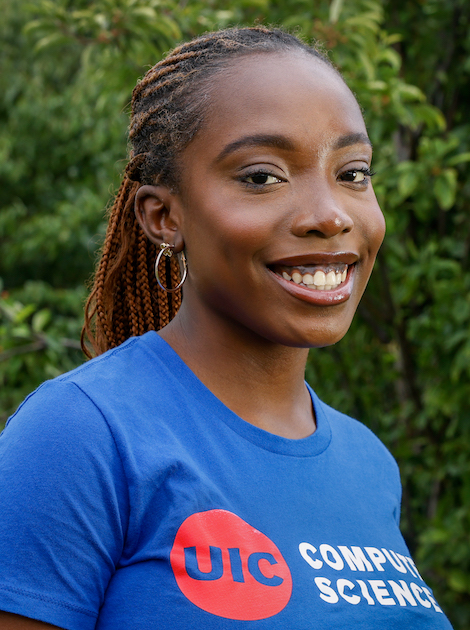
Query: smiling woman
x: 272, y: 190
x: 188, y: 476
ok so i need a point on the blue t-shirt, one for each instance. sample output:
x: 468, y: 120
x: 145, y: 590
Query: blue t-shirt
x: 132, y: 498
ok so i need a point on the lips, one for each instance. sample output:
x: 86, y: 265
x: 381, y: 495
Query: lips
x: 317, y: 277
x: 322, y: 278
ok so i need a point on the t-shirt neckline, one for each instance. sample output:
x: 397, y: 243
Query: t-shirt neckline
x: 310, y: 446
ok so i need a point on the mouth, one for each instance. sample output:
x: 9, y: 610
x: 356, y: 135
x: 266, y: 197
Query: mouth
x: 316, y: 277
x: 322, y: 279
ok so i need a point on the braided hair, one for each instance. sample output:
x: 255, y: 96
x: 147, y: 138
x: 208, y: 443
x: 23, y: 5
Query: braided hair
x: 168, y: 107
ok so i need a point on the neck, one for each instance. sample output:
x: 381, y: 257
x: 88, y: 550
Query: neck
x: 260, y: 381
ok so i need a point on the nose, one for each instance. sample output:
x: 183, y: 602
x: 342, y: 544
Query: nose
x: 320, y: 214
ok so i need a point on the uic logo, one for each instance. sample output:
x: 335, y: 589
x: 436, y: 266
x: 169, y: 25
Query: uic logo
x: 228, y: 568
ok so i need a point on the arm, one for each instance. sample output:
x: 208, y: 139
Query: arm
x: 9, y: 621
x: 64, y: 505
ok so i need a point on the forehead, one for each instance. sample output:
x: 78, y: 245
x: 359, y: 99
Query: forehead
x: 292, y: 94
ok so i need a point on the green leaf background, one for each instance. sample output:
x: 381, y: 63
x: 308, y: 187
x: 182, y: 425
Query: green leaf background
x: 67, y: 70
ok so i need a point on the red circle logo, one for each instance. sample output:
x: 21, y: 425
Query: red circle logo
x: 228, y: 568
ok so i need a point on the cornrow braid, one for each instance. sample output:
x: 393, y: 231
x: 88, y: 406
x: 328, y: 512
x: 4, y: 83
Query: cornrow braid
x: 169, y: 106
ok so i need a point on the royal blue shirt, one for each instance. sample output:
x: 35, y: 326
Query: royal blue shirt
x: 131, y: 497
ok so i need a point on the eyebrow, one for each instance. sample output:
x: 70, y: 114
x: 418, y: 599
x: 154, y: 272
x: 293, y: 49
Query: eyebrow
x: 257, y: 140
x: 281, y: 142
x: 350, y: 139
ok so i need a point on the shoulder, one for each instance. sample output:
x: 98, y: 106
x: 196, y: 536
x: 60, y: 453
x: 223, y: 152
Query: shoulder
x: 111, y: 403
x: 131, y: 371
x: 59, y: 431
x: 68, y: 407
x: 352, y: 437
x: 128, y: 361
x: 110, y: 376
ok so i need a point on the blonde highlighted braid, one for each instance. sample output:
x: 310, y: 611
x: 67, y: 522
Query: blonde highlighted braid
x: 168, y: 109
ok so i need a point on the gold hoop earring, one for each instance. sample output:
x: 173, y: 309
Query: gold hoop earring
x: 167, y: 250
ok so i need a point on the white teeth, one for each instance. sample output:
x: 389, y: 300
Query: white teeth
x: 319, y: 278
x: 330, y: 278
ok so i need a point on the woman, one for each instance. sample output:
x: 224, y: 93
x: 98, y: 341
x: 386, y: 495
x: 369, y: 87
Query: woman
x: 190, y: 478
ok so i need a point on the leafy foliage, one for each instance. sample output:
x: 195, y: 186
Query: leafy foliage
x: 66, y: 74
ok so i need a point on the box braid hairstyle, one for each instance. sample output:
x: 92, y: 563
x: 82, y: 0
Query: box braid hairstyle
x: 167, y: 110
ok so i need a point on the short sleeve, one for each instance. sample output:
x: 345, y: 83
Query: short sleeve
x: 63, y: 508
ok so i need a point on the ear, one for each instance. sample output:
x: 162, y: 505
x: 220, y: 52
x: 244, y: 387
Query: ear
x: 158, y: 212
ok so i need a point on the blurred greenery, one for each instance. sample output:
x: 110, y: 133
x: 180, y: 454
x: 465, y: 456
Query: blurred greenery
x: 66, y: 74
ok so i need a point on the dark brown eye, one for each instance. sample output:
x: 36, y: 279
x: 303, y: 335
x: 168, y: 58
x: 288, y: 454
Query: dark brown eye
x: 261, y: 178
x: 353, y: 176
x: 356, y: 176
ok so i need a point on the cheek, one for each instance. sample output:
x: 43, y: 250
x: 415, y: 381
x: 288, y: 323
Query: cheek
x: 229, y: 230
x: 380, y: 228
x: 218, y: 250
x: 373, y: 226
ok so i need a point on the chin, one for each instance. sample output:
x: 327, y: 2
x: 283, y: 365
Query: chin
x: 319, y: 338
x: 321, y: 333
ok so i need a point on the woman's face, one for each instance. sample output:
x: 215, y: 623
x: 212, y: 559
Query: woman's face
x: 280, y: 223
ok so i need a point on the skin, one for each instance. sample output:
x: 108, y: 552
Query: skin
x: 240, y: 327
x: 8, y: 621
x: 242, y: 330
